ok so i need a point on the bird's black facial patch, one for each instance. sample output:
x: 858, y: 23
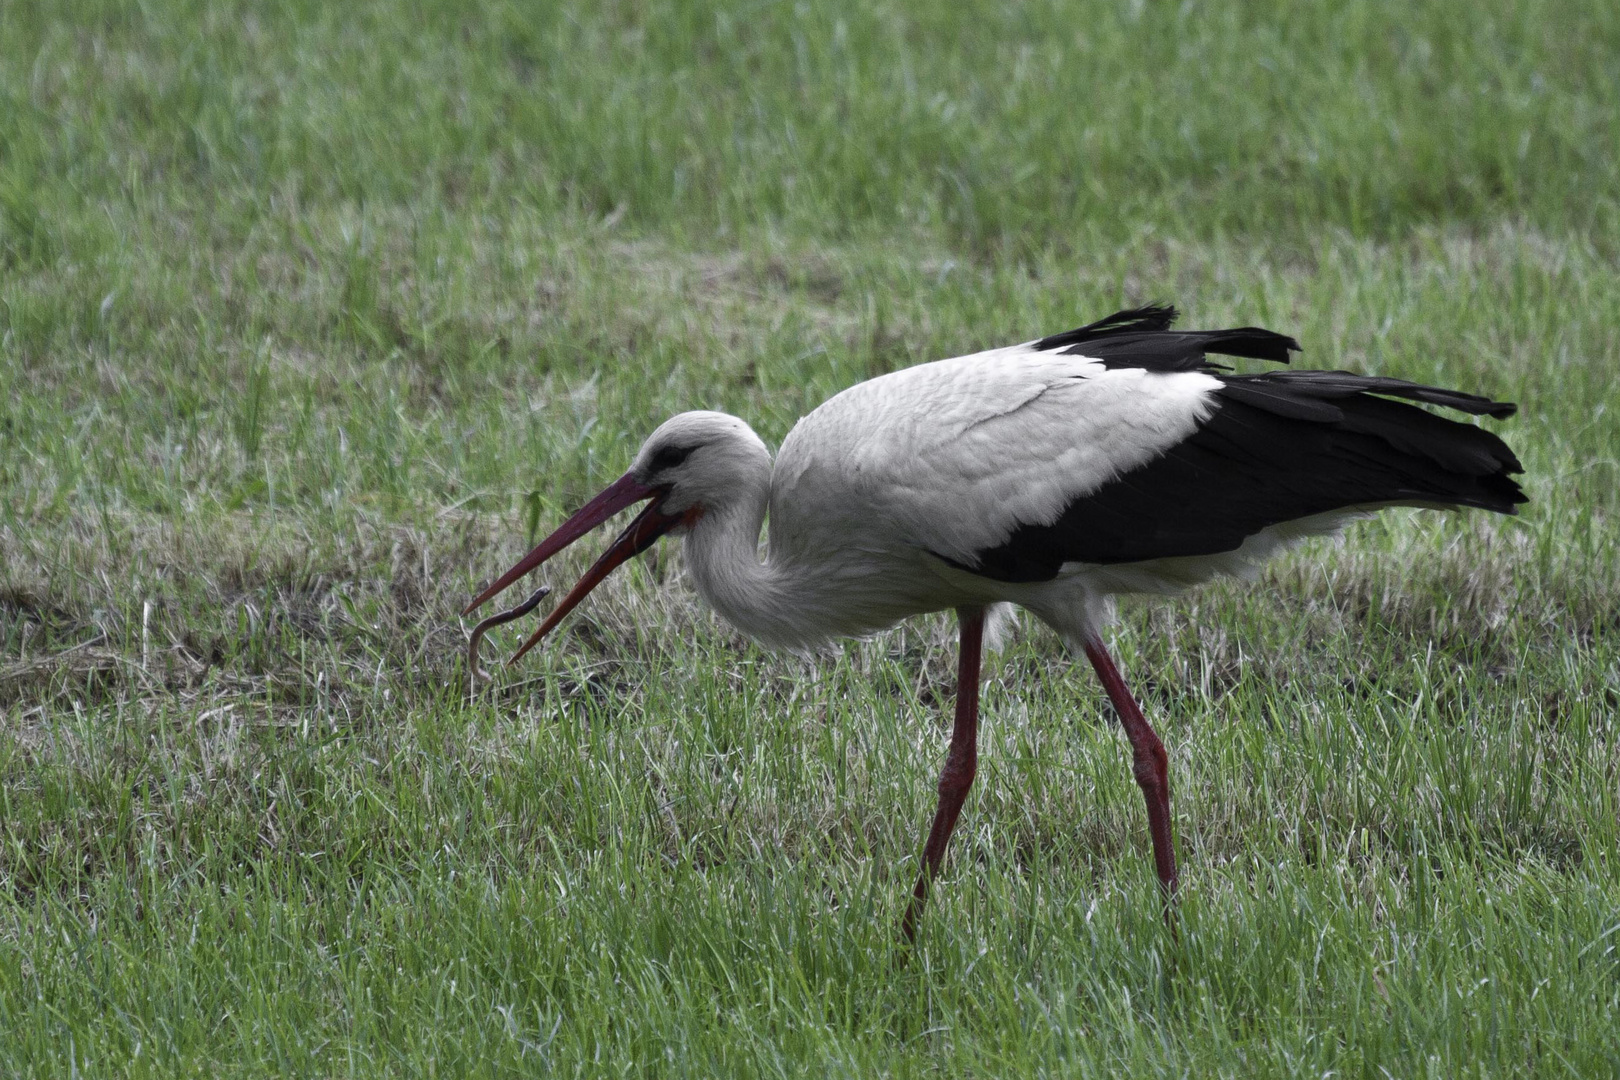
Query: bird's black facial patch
x: 668, y: 458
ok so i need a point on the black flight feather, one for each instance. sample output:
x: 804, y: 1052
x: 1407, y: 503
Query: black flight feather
x: 1141, y: 337
x: 1278, y: 447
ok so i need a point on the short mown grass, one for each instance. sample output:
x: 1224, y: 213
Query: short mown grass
x: 312, y: 315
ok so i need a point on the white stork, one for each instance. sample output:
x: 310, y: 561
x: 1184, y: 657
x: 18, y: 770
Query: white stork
x: 1052, y: 475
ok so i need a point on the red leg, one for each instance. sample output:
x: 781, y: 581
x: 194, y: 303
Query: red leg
x: 1150, y: 761
x: 961, y: 763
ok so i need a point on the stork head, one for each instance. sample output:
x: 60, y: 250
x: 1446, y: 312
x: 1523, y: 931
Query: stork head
x: 694, y: 462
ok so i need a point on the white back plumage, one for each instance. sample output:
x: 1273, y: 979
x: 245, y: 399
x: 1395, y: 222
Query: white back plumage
x: 952, y: 456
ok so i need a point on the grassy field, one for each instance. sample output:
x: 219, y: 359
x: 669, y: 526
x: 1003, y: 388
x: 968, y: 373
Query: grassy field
x: 312, y: 314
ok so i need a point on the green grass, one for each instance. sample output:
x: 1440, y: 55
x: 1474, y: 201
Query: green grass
x: 311, y: 314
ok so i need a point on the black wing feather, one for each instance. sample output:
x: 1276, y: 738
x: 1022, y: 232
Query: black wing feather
x: 1322, y: 386
x: 1141, y: 337
x: 1277, y: 448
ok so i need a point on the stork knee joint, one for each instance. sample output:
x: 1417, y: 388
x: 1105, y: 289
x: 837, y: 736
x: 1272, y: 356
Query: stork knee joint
x: 956, y: 779
x: 1152, y: 767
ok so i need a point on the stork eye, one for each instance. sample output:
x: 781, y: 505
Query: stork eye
x: 669, y: 457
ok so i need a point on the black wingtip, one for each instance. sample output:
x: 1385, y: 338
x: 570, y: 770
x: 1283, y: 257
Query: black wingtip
x: 1141, y: 337
x: 1150, y: 318
x: 1306, y: 387
x: 1253, y: 342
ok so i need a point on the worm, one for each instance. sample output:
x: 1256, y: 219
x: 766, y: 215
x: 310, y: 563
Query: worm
x: 499, y: 619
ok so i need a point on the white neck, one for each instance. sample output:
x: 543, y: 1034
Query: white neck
x: 722, y: 555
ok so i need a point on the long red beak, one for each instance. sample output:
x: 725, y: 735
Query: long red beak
x: 648, y: 526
